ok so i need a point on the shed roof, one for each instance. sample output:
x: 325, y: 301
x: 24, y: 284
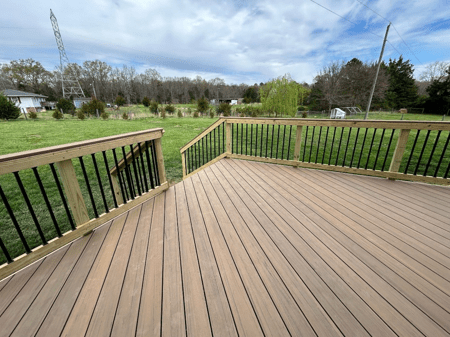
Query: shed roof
x: 18, y: 93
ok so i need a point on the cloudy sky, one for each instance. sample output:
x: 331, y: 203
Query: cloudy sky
x: 238, y: 40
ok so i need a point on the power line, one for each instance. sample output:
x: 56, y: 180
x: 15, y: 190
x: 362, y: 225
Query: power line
x: 392, y: 27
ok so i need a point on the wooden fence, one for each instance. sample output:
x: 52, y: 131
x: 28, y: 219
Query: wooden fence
x: 53, y: 195
x: 409, y: 150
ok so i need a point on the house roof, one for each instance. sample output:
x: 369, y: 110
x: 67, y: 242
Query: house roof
x: 18, y: 93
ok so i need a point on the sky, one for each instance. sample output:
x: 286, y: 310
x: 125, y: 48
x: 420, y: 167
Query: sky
x: 239, y: 41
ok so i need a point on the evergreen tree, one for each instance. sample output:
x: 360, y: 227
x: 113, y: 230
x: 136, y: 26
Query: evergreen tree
x: 402, y: 91
x: 439, y: 92
x: 8, y: 110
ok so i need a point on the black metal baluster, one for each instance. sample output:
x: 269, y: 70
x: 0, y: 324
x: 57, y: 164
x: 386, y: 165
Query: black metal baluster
x: 61, y: 194
x: 332, y: 146
x: 379, y: 148
x: 289, y: 143
x: 149, y: 165
x: 223, y: 138
x: 387, y: 151
x: 127, y: 196
x: 346, y: 147
x: 354, y: 147
x: 128, y: 174
x: 262, y: 136
x: 278, y: 141
x: 30, y: 208
x: 88, y: 185
x: 371, y: 146
x: 139, y: 171
x: 215, y: 144
x: 100, y: 183
x: 442, y: 155
x: 203, y: 149
x: 251, y: 139
x: 195, y: 156
x: 412, y: 151
x: 312, y: 143
x: 432, y: 152
x: 155, y: 163
x: 47, y: 202
x: 421, y: 152
x: 246, y: 139
x: 304, y: 146
x: 325, y: 145
x: 267, y: 139
x: 339, y: 147
x: 119, y: 176
x: 256, y: 141
x: 318, y: 144
x: 282, y: 146
x: 210, y: 147
x: 111, y: 186
x: 5, y: 251
x: 446, y: 172
x: 141, y: 155
x: 362, y: 147
x: 14, y: 221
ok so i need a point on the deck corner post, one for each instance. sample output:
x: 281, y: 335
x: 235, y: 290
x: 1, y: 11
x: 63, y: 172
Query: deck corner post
x: 399, y: 150
x: 183, y: 163
x: 160, y: 161
x: 298, y: 143
x: 228, y: 136
x: 73, y: 191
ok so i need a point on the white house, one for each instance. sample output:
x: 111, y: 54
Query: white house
x: 26, y: 101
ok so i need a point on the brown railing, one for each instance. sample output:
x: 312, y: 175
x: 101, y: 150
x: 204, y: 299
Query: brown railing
x: 53, y: 195
x: 409, y: 150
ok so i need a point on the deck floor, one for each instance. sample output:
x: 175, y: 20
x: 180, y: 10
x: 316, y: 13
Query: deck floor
x: 245, y: 248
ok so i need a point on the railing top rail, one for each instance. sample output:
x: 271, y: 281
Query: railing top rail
x: 27, y: 159
x: 398, y: 124
x: 205, y: 132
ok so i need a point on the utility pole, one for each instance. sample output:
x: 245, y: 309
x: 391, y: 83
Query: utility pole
x: 378, y: 70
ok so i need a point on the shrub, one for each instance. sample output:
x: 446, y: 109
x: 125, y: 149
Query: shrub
x: 8, y: 110
x: 202, y: 104
x: 81, y: 115
x: 120, y: 100
x: 163, y: 113
x: 195, y: 115
x: 154, y: 107
x: 211, y: 113
x: 304, y: 114
x: 91, y: 107
x: 189, y: 111
x: 146, y: 102
x: 66, y: 106
x: 57, y: 114
x: 170, y: 108
x: 225, y: 109
x: 124, y: 115
x: 33, y: 115
x: 179, y: 113
x: 104, y: 115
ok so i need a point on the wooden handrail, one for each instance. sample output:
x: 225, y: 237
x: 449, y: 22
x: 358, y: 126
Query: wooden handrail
x: 204, y: 133
x: 27, y: 159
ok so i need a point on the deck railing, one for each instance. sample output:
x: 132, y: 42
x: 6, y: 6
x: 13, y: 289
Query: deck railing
x: 53, y: 195
x: 409, y: 150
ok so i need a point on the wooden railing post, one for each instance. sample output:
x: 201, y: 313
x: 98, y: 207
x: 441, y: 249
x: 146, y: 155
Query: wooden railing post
x: 399, y: 150
x: 160, y: 161
x: 183, y: 163
x: 73, y: 191
x: 228, y: 136
x: 116, y: 187
x: 298, y: 143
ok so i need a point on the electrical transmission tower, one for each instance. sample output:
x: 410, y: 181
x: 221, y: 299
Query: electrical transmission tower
x: 70, y: 84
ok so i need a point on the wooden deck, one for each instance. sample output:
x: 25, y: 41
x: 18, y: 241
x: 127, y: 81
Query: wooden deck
x: 244, y: 248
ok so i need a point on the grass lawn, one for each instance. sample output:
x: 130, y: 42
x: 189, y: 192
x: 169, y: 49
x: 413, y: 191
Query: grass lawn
x: 21, y: 135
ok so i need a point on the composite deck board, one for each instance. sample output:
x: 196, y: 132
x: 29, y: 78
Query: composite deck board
x: 245, y: 248
x: 435, y: 311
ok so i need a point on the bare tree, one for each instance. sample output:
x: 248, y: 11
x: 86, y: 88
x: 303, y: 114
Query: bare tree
x: 435, y: 71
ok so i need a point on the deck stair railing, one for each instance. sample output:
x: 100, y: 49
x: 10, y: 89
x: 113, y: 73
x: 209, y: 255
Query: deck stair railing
x: 53, y: 195
x: 409, y: 150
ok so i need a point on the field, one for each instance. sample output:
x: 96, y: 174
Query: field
x: 21, y: 135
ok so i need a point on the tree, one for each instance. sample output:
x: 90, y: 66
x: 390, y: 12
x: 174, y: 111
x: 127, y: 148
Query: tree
x: 438, y: 101
x: 202, y: 105
x: 224, y: 108
x: 93, y: 106
x: 402, y: 90
x: 154, y: 107
x: 280, y: 96
x: 435, y: 71
x: 120, y: 100
x: 8, y: 110
x: 27, y: 74
x: 146, y: 102
x: 251, y: 95
x: 65, y: 105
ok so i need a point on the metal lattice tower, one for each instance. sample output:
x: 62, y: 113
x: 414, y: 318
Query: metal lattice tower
x: 70, y: 84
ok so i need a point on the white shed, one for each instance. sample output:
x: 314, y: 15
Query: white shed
x: 337, y: 113
x: 26, y: 101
